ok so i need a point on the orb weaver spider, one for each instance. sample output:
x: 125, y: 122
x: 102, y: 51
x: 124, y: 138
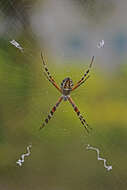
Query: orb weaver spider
x: 65, y: 89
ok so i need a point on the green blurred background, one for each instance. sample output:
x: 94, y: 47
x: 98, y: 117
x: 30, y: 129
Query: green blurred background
x: 59, y: 159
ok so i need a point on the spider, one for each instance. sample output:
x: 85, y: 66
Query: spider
x: 65, y: 89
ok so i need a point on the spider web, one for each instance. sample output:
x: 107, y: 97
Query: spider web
x: 32, y: 91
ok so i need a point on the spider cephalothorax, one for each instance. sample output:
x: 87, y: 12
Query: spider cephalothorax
x: 65, y: 89
x: 66, y: 86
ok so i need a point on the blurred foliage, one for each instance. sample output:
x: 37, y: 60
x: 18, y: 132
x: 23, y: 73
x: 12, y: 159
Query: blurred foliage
x: 96, y: 10
x: 15, y: 15
x: 92, y: 8
x: 58, y: 158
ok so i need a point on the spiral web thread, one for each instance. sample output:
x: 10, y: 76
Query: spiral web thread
x: 20, y: 161
x: 98, y: 157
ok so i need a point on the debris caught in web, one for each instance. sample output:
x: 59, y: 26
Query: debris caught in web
x: 98, y: 156
x: 17, y: 45
x: 20, y: 161
x: 101, y: 44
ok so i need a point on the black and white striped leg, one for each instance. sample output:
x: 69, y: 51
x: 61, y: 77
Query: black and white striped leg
x: 85, y: 76
x: 86, y: 73
x: 48, y: 75
x: 46, y: 68
x: 78, y: 84
x: 50, y: 115
x: 83, y: 121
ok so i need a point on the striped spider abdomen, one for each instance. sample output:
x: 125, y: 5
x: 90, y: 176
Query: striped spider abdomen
x: 66, y: 86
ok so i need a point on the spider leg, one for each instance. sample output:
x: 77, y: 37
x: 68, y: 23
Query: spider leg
x: 50, y: 115
x: 83, y: 121
x: 84, y: 76
x: 54, y: 84
x: 48, y: 75
x: 78, y: 84
x: 45, y: 67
